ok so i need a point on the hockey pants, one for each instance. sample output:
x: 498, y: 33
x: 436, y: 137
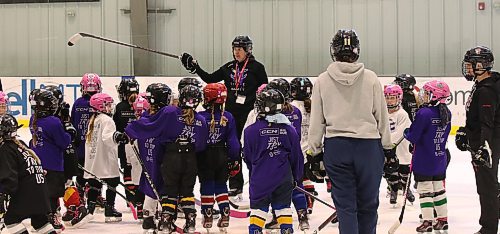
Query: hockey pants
x: 213, y: 175
x: 39, y: 222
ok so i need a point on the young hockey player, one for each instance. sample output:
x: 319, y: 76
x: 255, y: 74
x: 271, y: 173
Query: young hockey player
x: 101, y: 154
x: 128, y: 89
x: 429, y: 133
x: 275, y: 162
x: 410, y: 101
x: 22, y: 181
x: 80, y: 115
x: 223, y: 149
x: 184, y: 133
x: 4, y: 103
x: 76, y: 212
x: 398, y: 122
x: 294, y: 115
x: 151, y: 151
x: 49, y: 142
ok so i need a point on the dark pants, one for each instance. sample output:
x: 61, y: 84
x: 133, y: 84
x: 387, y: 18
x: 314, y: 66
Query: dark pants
x: 236, y: 182
x: 356, y: 167
x: 55, y: 186
x: 487, y: 188
x: 213, y: 174
x: 96, y: 186
x: 37, y: 221
x: 80, y: 181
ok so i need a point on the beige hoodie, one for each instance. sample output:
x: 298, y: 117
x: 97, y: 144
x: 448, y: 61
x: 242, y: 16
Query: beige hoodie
x: 348, y: 101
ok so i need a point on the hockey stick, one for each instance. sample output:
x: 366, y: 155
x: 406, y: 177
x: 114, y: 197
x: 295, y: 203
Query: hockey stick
x: 146, y: 173
x: 326, y: 222
x: 130, y: 205
x: 314, y: 197
x: 396, y: 225
x: 477, y: 157
x: 75, y: 38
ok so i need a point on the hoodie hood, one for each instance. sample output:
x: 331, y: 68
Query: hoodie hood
x: 346, y: 73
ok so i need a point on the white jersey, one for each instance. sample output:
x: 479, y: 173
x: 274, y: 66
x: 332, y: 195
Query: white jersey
x: 251, y: 119
x: 398, y: 122
x: 305, y: 125
x: 134, y: 162
x: 101, y: 153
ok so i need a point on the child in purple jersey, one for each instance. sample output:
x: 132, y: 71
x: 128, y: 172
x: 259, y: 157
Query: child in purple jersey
x: 184, y: 133
x: 80, y: 116
x: 429, y: 133
x: 273, y: 156
x: 223, y: 147
x: 151, y: 151
x: 49, y: 141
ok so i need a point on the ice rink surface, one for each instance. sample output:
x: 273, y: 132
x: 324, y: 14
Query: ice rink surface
x: 463, y: 206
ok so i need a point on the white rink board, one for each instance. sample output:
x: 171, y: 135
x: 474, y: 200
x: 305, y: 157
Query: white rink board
x: 18, y: 89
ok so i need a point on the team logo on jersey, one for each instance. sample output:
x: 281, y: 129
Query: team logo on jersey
x: 269, y: 132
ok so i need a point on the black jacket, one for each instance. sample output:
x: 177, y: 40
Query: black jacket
x: 410, y: 104
x: 124, y: 114
x: 21, y: 176
x: 482, y: 112
x: 253, y: 76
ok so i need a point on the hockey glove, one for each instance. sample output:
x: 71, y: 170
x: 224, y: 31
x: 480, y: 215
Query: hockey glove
x: 461, y: 139
x: 411, y: 148
x: 120, y: 138
x: 4, y: 203
x: 233, y: 168
x: 189, y: 63
x: 65, y: 110
x: 391, y: 161
x: 482, y: 156
x: 68, y: 127
x: 314, y: 168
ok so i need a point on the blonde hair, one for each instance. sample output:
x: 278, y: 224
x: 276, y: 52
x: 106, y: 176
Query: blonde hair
x: 287, y: 107
x: 223, y: 119
x: 188, y: 115
x: 34, y: 129
x: 90, y: 129
x: 132, y: 98
x: 23, y: 147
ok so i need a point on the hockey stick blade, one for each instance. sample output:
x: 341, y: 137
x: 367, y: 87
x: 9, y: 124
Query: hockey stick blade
x: 396, y: 224
x: 74, y: 39
x: 132, y: 208
x: 326, y: 222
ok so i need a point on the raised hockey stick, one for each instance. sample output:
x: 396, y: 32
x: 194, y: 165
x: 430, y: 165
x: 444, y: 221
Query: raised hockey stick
x: 130, y: 205
x: 396, y: 225
x: 75, y: 38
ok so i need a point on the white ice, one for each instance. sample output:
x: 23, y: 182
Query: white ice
x: 463, y: 206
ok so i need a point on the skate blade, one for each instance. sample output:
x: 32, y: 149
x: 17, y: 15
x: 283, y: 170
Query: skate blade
x: 84, y: 221
x: 112, y: 219
x: 149, y: 231
x: 223, y: 230
x: 441, y: 231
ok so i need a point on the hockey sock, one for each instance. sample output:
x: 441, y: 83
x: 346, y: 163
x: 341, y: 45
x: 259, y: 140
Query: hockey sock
x: 221, y: 195
x: 440, y: 201
x: 299, y: 200
x: 426, y: 191
x: 284, y: 218
x: 257, y: 220
x: 207, y: 194
x: 187, y: 204
x: 169, y: 204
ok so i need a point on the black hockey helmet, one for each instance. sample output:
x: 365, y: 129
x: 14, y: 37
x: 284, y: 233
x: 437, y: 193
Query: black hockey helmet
x: 282, y: 86
x: 8, y: 127
x: 126, y: 87
x: 56, y: 91
x: 158, y: 94
x: 269, y: 102
x: 190, y: 97
x: 405, y: 81
x: 301, y: 88
x: 345, y: 46
x: 482, y: 60
x: 244, y: 42
x: 43, y: 103
x: 188, y: 81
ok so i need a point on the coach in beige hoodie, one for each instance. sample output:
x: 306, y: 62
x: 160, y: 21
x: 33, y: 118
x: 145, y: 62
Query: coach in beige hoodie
x: 349, y: 117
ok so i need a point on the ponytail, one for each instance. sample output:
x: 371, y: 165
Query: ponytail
x: 23, y: 147
x: 223, y: 119
x: 444, y: 114
x: 288, y: 107
x: 90, y: 129
x: 131, y: 98
x: 307, y: 105
x: 188, y: 116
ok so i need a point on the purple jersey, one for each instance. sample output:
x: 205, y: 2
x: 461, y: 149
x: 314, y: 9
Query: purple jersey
x: 223, y: 134
x: 168, y: 125
x: 295, y: 118
x: 151, y: 152
x: 272, y: 153
x: 51, y: 142
x: 429, y: 138
x: 80, y: 116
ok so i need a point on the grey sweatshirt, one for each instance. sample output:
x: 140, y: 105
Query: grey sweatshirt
x: 348, y: 101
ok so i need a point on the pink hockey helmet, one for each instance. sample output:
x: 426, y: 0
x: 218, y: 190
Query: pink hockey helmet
x: 91, y: 83
x: 394, y: 90
x: 141, y: 104
x: 102, y: 102
x: 438, y: 91
x: 261, y: 88
x: 3, y: 98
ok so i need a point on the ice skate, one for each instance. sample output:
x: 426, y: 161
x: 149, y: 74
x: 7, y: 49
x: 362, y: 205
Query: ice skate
x: 303, y: 220
x: 69, y: 215
x: 441, y: 226
x: 236, y: 195
x: 111, y: 215
x: 207, y: 219
x: 100, y: 204
x: 410, y: 196
x: 54, y: 220
x: 190, y: 225
x: 223, y: 222
x: 166, y: 223
x: 425, y: 227
x: 81, y: 217
x: 273, y: 224
x: 148, y: 225
x: 394, y: 199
